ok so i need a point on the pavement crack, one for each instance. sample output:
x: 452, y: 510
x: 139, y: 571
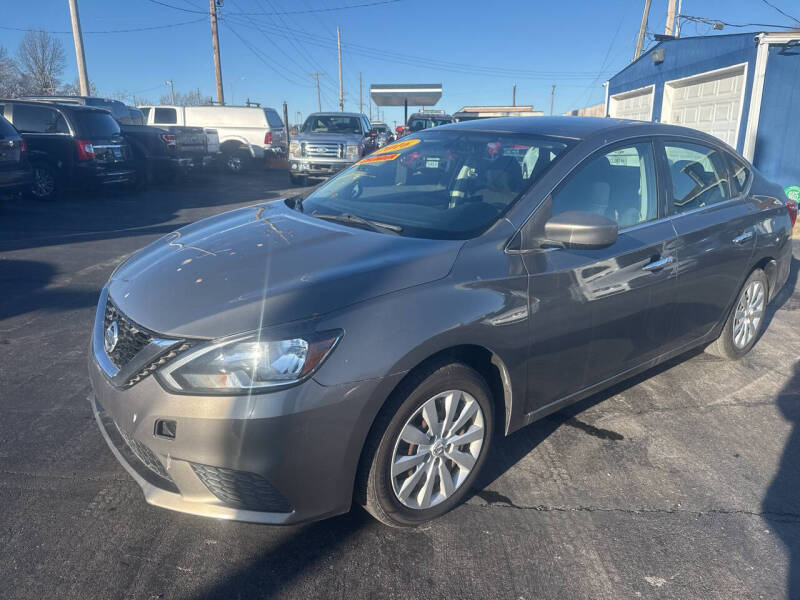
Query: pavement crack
x: 496, y: 500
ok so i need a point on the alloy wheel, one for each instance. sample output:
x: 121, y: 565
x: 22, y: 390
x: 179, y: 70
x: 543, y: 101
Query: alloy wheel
x: 44, y: 183
x: 748, y: 315
x: 437, y: 449
x: 235, y: 163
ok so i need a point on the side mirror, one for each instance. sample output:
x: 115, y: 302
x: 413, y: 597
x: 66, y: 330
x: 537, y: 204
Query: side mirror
x: 580, y: 229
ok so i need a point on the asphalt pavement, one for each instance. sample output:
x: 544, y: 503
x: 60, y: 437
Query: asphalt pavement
x: 683, y: 483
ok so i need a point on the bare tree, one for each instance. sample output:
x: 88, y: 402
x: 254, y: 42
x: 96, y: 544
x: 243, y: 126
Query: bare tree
x: 74, y: 89
x: 188, y: 99
x: 40, y: 60
x: 9, y: 76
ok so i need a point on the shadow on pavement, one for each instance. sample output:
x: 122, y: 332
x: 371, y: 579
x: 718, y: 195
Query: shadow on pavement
x: 781, y: 505
x: 24, y: 284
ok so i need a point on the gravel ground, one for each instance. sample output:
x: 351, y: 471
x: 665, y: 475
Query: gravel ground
x: 683, y: 483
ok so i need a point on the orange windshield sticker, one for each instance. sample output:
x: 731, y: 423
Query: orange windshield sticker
x: 379, y: 158
x: 397, y: 146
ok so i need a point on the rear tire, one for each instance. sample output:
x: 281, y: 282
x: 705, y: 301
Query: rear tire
x: 746, y: 320
x: 440, y: 470
x: 46, y: 185
x: 238, y: 161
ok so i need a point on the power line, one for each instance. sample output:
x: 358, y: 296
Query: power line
x: 289, y: 12
x: 785, y: 14
x: 132, y: 30
x: 726, y: 24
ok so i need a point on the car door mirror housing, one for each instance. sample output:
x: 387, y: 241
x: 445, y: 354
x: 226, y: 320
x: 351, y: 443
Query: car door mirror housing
x: 580, y: 229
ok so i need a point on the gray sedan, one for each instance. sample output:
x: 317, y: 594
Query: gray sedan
x: 366, y: 342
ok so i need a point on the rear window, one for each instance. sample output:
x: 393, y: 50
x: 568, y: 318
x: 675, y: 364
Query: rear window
x: 96, y: 124
x: 739, y: 174
x: 273, y: 119
x: 6, y: 130
x: 117, y: 108
x: 145, y: 112
x: 135, y: 117
x: 38, y: 119
x: 167, y: 116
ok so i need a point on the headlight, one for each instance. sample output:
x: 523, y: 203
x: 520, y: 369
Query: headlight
x: 246, y: 364
x: 352, y: 152
x: 294, y: 147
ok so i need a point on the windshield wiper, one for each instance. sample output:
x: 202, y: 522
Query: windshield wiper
x: 351, y: 218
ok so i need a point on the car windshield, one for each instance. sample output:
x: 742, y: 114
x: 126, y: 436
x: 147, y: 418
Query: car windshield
x: 420, y: 123
x: 332, y: 124
x: 440, y: 184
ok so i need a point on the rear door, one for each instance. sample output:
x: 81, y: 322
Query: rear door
x: 716, y: 237
x: 111, y: 151
x: 598, y: 313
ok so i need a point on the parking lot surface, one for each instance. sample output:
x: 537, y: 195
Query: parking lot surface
x: 683, y: 483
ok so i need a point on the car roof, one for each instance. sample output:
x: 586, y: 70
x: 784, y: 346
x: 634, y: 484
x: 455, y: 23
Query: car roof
x: 335, y: 114
x: 430, y: 115
x: 568, y: 127
x: 59, y: 105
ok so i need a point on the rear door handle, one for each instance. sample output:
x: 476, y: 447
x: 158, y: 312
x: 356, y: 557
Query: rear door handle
x: 659, y: 264
x: 745, y: 237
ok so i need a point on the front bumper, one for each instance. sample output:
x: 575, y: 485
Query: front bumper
x: 314, y: 167
x: 284, y: 457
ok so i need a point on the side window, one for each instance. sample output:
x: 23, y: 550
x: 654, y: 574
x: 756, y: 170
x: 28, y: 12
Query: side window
x: 620, y: 185
x: 168, y: 116
x: 146, y: 113
x: 38, y: 119
x: 699, y: 176
x: 274, y: 119
x: 740, y: 174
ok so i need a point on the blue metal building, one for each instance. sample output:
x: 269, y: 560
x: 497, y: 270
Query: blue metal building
x: 742, y: 88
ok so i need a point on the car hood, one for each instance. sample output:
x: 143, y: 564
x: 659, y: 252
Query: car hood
x: 329, y: 138
x: 266, y: 265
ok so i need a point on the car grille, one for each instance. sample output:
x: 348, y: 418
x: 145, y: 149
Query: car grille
x: 320, y: 149
x: 239, y: 489
x: 145, y: 455
x: 130, y: 338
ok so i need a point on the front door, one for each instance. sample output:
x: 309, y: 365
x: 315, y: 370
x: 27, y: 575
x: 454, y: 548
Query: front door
x: 715, y: 237
x: 597, y: 313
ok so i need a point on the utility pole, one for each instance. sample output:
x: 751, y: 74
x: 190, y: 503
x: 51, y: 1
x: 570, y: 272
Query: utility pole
x: 640, y: 38
x: 286, y: 122
x: 514, y: 96
x: 212, y: 7
x: 552, y: 97
x: 360, y: 94
x: 316, y: 75
x: 668, y: 28
x: 77, y: 35
x: 171, y: 90
x: 341, y: 89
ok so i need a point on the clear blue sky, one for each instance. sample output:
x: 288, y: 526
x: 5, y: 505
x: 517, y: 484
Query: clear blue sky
x: 574, y: 44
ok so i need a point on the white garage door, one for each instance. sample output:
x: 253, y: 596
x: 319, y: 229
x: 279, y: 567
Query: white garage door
x: 710, y: 102
x: 636, y: 104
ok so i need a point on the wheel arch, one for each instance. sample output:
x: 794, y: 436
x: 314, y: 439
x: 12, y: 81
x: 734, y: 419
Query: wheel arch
x: 770, y: 267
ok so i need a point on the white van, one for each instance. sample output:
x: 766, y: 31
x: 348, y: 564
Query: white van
x: 246, y: 133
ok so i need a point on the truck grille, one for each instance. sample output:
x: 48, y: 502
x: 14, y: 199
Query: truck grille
x: 130, y: 338
x: 320, y: 149
x: 239, y: 489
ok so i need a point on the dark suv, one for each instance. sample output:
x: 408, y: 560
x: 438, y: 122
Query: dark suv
x: 15, y: 172
x: 70, y: 146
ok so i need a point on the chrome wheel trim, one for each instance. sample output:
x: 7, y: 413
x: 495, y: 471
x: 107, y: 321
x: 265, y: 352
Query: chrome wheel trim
x: 437, y: 449
x: 44, y: 184
x: 235, y: 163
x: 748, y: 315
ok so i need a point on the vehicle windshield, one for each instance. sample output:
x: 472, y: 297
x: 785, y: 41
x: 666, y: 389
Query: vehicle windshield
x: 332, y: 124
x: 439, y: 185
x: 420, y: 123
x: 380, y: 127
x: 96, y: 124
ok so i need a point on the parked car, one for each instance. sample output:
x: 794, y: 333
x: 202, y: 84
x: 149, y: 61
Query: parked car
x: 419, y: 121
x: 245, y: 134
x: 328, y: 143
x: 383, y: 133
x: 366, y: 342
x: 70, y: 146
x: 15, y: 171
x: 160, y: 153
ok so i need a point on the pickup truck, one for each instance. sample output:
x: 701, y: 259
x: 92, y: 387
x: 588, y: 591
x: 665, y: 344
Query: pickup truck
x: 160, y: 153
x: 328, y: 143
x: 246, y: 134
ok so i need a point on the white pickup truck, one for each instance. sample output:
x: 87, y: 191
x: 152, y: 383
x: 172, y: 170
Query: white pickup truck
x: 246, y: 133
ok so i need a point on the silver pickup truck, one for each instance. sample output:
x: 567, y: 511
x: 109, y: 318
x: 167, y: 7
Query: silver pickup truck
x: 328, y: 143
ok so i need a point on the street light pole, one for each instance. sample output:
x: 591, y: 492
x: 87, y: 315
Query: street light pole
x: 341, y: 89
x: 171, y: 85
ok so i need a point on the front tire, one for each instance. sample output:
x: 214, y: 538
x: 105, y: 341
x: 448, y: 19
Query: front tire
x: 744, y: 324
x: 427, y: 446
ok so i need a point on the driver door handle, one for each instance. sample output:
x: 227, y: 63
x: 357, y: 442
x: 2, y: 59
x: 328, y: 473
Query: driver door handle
x: 745, y: 237
x: 659, y: 264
